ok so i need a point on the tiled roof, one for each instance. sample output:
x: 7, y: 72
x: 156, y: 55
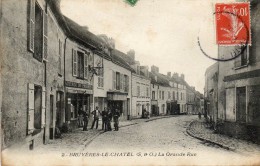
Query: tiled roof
x: 117, y: 57
x: 161, y: 79
x: 72, y: 29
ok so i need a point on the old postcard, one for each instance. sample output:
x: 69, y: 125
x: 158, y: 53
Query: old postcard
x: 130, y: 82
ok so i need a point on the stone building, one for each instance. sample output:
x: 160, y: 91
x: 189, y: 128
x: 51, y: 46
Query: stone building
x: 112, y: 84
x: 31, y: 73
x: 160, y: 86
x: 239, y: 86
x: 211, y: 92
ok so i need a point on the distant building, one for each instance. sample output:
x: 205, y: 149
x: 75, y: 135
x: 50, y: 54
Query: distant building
x: 211, y: 92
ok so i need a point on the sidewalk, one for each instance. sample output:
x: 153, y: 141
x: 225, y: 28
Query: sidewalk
x: 200, y: 129
x: 78, y: 139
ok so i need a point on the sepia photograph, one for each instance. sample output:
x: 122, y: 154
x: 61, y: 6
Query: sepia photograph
x: 130, y: 82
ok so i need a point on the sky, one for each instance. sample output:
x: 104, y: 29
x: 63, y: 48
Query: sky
x: 163, y: 33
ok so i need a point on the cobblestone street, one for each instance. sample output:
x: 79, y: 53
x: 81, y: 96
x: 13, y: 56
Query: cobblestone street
x: 144, y: 140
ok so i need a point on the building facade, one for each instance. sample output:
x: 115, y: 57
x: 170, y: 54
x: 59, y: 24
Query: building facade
x: 30, y: 76
x: 239, y: 87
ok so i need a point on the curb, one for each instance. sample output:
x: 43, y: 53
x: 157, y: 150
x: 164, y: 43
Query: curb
x: 207, y: 140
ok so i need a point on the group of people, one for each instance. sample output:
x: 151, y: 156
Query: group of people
x: 107, y: 116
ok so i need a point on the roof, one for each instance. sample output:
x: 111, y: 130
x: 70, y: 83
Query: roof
x: 74, y: 30
x: 161, y: 79
x: 117, y: 57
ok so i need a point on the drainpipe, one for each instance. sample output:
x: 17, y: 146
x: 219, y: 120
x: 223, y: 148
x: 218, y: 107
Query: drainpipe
x: 64, y: 76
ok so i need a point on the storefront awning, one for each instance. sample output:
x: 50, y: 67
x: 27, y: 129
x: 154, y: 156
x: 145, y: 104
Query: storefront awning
x: 117, y: 96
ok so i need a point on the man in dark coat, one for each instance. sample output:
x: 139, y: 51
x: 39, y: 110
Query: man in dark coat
x: 109, y: 118
x: 96, y: 114
x: 85, y: 120
x: 116, y: 119
x: 104, y: 119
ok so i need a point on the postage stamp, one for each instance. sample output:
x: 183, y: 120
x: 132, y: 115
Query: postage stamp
x: 232, y: 23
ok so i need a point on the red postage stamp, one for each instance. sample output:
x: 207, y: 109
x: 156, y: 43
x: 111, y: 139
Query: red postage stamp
x: 233, y: 23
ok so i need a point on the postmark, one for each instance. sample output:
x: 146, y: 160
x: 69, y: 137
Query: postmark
x: 232, y: 30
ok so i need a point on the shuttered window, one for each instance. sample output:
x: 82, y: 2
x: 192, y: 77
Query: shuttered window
x: 122, y: 85
x: 31, y: 25
x: 85, y: 66
x: 74, y: 63
x: 30, y: 108
x: 43, y: 120
x: 114, y: 79
x: 243, y: 59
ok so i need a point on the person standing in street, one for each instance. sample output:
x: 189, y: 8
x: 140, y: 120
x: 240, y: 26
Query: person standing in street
x: 109, y: 118
x: 104, y: 119
x: 116, y: 119
x: 85, y: 120
x: 96, y: 114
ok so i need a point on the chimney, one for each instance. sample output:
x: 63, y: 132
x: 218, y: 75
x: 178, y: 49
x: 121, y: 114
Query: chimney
x: 175, y: 75
x: 154, y: 69
x: 182, y: 76
x: 131, y: 53
x: 85, y: 27
x: 144, y: 70
x: 169, y: 74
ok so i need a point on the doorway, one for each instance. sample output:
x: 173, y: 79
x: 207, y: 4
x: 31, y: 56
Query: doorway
x: 241, y: 104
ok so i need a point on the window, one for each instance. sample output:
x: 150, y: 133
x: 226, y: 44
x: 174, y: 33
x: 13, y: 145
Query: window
x: 177, y: 95
x: 36, y: 107
x: 100, y: 73
x: 147, y: 92
x: 117, y: 81
x: 37, y: 34
x: 59, y: 60
x: 169, y: 95
x: 80, y: 64
x: 126, y: 79
x: 181, y: 96
x: 173, y: 95
x: 160, y: 95
x: 138, y: 91
x: 242, y: 60
x: 153, y: 95
x: 163, y: 95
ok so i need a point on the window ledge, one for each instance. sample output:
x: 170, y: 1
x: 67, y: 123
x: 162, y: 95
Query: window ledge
x: 101, y: 88
x: 240, y: 67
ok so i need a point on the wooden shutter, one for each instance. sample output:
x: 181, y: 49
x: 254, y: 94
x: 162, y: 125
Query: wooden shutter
x: 43, y: 107
x: 114, y: 79
x: 121, y: 81
x: 31, y: 26
x: 74, y: 63
x: 85, y: 66
x: 127, y: 83
x: 45, y: 35
x: 90, y: 63
x: 30, y: 108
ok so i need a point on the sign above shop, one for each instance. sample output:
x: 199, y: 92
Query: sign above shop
x: 78, y: 85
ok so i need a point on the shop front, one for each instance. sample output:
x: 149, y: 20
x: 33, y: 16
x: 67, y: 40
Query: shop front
x: 119, y: 100
x: 78, y: 100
